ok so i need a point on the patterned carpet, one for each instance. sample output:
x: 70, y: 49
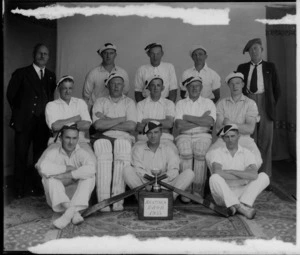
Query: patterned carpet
x: 28, y: 222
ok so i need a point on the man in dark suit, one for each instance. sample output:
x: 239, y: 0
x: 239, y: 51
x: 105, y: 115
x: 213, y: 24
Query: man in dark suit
x: 29, y: 90
x: 262, y: 85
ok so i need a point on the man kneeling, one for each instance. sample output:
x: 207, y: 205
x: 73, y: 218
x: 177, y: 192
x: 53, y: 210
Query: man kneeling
x: 155, y: 155
x: 62, y: 166
x: 234, y: 181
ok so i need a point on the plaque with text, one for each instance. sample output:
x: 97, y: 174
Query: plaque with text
x: 156, y: 205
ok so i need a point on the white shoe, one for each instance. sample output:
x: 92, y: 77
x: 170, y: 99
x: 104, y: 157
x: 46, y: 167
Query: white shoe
x: 105, y: 209
x: 185, y: 199
x: 77, y: 218
x: 247, y: 211
x: 117, y: 207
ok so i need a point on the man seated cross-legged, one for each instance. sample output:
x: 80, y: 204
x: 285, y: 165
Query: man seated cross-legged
x: 63, y: 166
x: 234, y: 182
x: 156, y: 155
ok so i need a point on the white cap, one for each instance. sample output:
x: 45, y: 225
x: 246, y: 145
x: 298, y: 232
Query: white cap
x: 111, y: 76
x: 152, y: 45
x: 230, y: 127
x: 151, y: 78
x: 196, y: 47
x: 65, y: 77
x: 234, y: 75
x: 107, y: 46
x: 191, y: 79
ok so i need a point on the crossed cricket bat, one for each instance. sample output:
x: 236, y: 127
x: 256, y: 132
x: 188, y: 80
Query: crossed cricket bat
x: 114, y: 199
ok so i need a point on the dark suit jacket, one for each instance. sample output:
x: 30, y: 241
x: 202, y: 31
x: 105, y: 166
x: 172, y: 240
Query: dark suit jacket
x: 28, y: 95
x: 271, y: 83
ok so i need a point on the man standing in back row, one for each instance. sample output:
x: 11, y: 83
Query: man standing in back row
x: 94, y: 85
x: 211, y: 81
x: 156, y: 67
x: 29, y: 90
x: 261, y: 85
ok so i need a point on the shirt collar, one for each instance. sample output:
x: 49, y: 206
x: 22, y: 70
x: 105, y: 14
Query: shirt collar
x: 240, y: 149
x: 256, y: 64
x: 121, y: 98
x: 37, y: 68
x: 160, y: 100
x: 242, y: 98
x: 63, y: 102
x: 102, y: 69
x: 146, y: 148
x: 62, y: 151
x: 205, y: 68
x: 197, y: 101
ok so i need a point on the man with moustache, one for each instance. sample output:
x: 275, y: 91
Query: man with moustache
x: 195, y: 115
x: 94, y: 85
x: 210, y: 79
x: 29, y: 90
x: 262, y: 85
x: 155, y: 155
x: 156, y: 67
x: 114, y: 119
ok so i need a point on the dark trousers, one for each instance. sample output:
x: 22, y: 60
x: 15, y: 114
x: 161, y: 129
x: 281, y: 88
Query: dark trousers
x: 36, y: 133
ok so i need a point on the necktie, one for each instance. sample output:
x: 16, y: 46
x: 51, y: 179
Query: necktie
x: 253, y: 82
x: 42, y: 75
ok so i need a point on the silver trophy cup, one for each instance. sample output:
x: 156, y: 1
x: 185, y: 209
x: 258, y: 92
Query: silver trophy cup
x: 156, y: 172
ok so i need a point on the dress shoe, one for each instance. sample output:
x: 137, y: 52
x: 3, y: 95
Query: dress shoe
x: 247, y: 211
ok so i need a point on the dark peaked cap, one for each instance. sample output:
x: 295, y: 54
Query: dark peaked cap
x: 224, y: 130
x: 151, y: 125
x: 250, y: 43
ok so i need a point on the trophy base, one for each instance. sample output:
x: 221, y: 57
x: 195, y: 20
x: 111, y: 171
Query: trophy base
x: 155, y: 205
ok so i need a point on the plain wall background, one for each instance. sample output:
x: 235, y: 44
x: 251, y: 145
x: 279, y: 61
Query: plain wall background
x: 73, y: 45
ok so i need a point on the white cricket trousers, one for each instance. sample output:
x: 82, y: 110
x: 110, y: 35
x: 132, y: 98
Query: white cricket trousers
x: 225, y: 195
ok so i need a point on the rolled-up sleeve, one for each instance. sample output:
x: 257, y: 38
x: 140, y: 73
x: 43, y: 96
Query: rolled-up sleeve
x: 98, y: 107
x: 126, y: 82
x: 131, y: 111
x: 172, y: 78
x: 50, y: 114
x: 170, y: 109
x: 88, y: 87
x: 252, y: 110
x: 84, y: 112
x: 140, y: 111
x: 212, y: 109
x: 179, y: 111
x: 138, y: 80
x: 216, y: 80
